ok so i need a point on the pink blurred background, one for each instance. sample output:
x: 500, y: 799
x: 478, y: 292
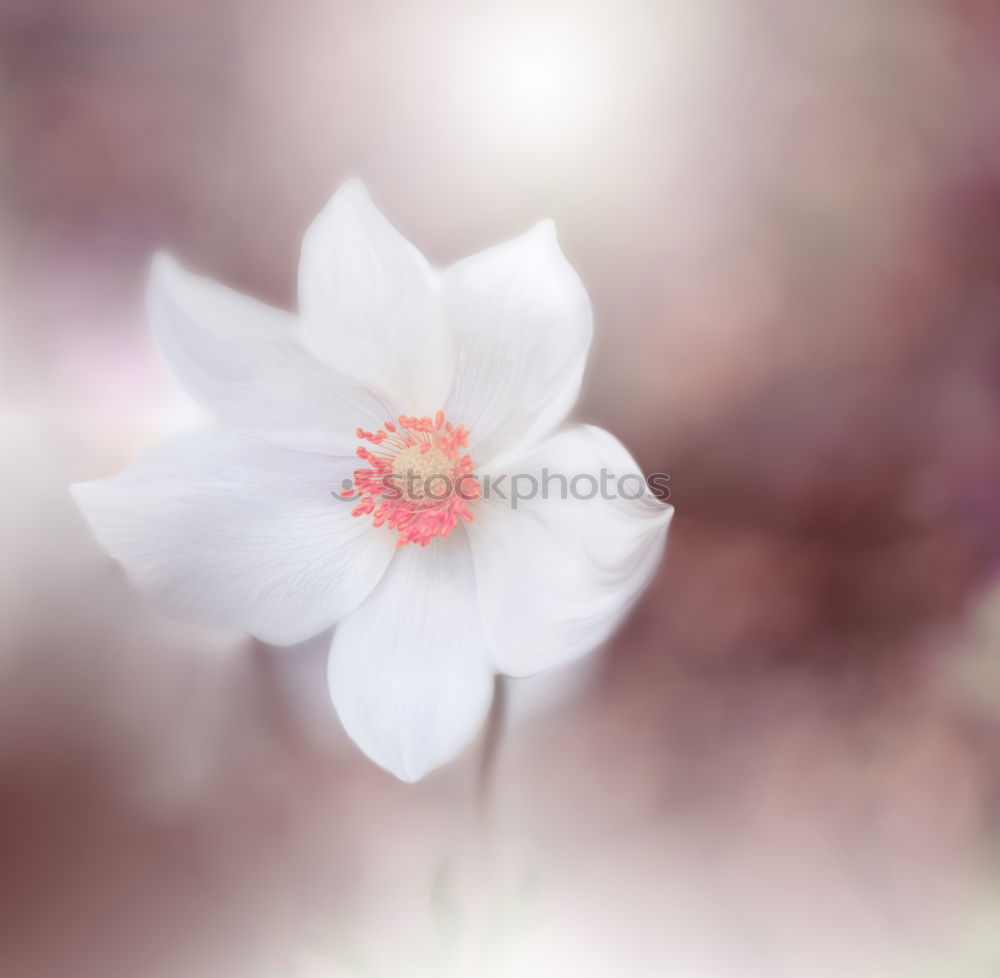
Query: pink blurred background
x: 787, y: 213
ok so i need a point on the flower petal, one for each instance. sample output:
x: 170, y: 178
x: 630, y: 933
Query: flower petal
x: 370, y: 306
x: 243, y: 361
x: 226, y: 530
x: 557, y: 575
x: 408, y: 671
x: 522, y: 324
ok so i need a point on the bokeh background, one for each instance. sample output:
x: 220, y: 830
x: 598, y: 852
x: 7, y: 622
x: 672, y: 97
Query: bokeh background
x: 787, y: 763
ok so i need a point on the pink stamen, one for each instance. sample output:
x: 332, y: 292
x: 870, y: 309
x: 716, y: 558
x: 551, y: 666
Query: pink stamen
x: 417, y: 517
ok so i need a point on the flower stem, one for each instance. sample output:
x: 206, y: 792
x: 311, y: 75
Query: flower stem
x: 475, y: 953
x: 485, y: 775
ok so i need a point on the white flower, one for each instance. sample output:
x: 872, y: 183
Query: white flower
x: 474, y: 368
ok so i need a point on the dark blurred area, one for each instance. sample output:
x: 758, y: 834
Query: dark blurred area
x: 787, y: 215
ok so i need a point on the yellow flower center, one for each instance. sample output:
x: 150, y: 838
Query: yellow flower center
x: 423, y: 473
x: 418, y: 480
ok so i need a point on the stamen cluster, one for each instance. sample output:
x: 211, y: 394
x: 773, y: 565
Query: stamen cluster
x: 419, y: 478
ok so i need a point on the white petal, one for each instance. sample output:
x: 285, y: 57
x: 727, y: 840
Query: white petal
x: 243, y: 361
x: 557, y: 575
x: 408, y: 670
x: 522, y: 325
x: 370, y: 306
x: 231, y: 531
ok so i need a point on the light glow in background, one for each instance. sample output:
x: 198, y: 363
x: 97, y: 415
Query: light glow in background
x: 787, y: 214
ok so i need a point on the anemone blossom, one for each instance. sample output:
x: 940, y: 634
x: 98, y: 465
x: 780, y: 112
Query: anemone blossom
x: 345, y: 483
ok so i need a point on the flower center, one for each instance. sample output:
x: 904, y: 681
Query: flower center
x: 421, y: 473
x: 419, y: 478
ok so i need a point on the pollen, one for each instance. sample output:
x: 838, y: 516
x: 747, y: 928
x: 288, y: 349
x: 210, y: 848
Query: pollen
x: 419, y: 479
x: 421, y: 470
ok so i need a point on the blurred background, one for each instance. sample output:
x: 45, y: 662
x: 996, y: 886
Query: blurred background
x: 787, y: 763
